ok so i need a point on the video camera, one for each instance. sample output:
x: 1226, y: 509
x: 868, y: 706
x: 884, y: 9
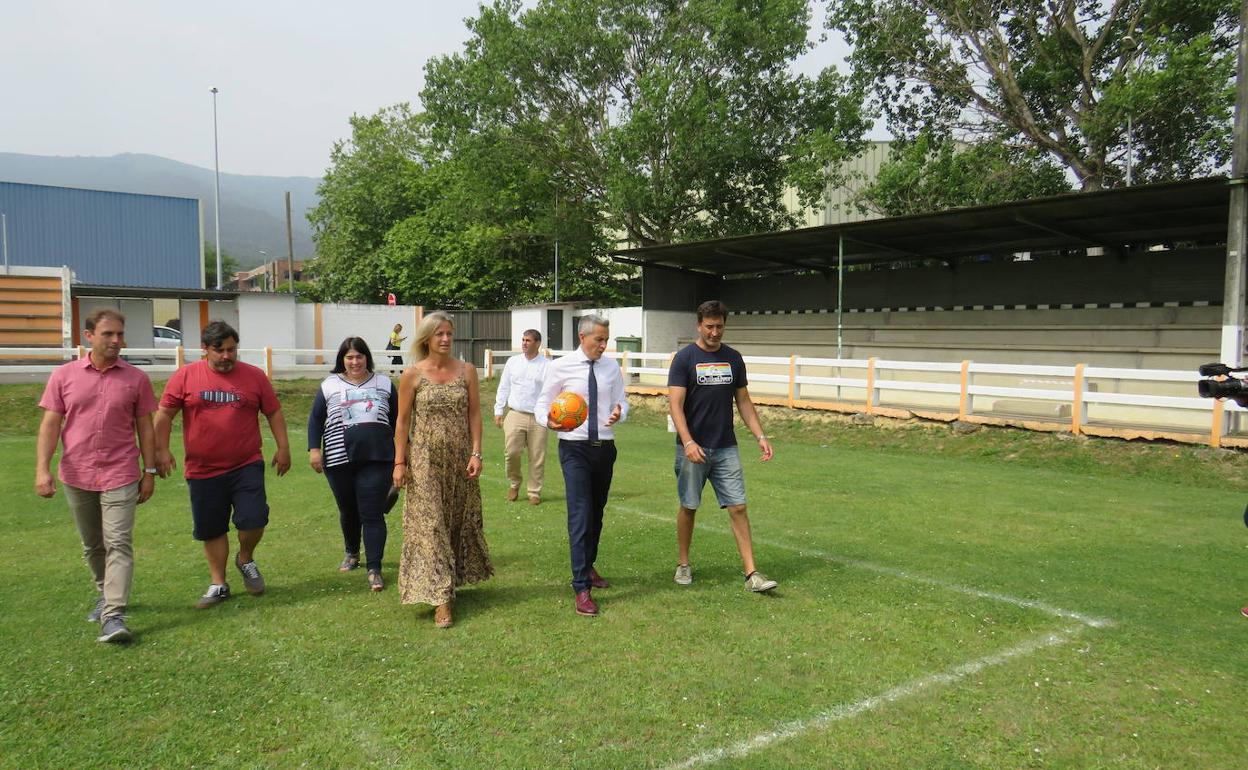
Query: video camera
x: 1232, y: 387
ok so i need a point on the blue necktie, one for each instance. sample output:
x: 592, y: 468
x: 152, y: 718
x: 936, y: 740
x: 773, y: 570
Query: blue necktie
x: 593, y: 403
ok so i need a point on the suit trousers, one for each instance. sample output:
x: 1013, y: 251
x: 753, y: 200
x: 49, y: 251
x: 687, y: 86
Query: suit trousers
x: 521, y: 433
x: 106, y: 526
x: 587, y: 471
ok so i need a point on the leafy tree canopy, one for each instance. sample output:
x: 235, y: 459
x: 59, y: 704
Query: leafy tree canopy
x: 927, y: 174
x: 229, y: 265
x: 665, y: 119
x: 1061, y: 76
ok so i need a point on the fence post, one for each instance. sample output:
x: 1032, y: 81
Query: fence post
x: 964, y: 400
x: 1076, y: 403
x: 82, y: 352
x: 179, y: 357
x: 871, y: 385
x: 489, y: 363
x: 792, y: 380
x: 268, y: 361
x: 1215, y: 433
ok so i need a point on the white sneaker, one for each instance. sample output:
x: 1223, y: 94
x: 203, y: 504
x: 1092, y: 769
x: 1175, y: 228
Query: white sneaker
x: 684, y: 575
x: 758, y: 582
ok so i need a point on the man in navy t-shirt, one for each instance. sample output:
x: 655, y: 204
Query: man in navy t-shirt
x: 705, y: 380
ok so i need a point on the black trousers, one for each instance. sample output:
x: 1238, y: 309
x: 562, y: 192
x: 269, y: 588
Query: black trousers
x: 360, y: 490
x: 587, y: 473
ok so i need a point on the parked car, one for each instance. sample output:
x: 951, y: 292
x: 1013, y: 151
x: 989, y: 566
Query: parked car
x: 165, y: 337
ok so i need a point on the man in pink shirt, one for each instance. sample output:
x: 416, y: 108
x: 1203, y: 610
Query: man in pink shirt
x: 219, y: 398
x: 95, y: 406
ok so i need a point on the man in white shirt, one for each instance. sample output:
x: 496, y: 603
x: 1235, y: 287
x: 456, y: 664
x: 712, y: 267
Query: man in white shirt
x: 587, y: 453
x: 518, y: 389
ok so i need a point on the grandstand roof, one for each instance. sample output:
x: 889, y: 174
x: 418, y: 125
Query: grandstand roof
x: 1115, y: 220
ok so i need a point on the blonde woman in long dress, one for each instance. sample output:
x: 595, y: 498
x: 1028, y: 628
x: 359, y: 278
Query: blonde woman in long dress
x: 437, y: 451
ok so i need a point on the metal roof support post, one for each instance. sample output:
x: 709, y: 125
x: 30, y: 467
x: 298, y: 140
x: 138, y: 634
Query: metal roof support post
x: 840, y: 283
x: 1237, y: 225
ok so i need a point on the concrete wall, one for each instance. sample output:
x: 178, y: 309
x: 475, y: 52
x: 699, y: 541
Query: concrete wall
x: 523, y: 318
x: 218, y: 310
x: 371, y: 322
x: 1127, y: 337
x: 267, y: 320
x: 138, y: 313
x: 668, y: 330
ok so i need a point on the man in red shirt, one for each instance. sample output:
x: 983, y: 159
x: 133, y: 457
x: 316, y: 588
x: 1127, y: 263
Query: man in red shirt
x: 219, y: 398
x: 96, y: 405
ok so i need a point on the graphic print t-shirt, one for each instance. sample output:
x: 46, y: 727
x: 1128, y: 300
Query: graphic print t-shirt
x: 710, y: 380
x: 220, y: 423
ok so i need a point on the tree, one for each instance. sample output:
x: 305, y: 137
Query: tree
x: 1060, y: 77
x: 927, y: 174
x: 472, y: 229
x: 229, y: 266
x: 668, y: 119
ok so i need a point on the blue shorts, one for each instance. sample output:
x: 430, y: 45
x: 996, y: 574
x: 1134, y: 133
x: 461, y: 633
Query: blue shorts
x: 241, y: 489
x: 722, y: 467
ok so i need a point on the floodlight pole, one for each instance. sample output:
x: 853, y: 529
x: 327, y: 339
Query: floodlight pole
x: 840, y: 287
x: 216, y: 184
x: 1237, y: 222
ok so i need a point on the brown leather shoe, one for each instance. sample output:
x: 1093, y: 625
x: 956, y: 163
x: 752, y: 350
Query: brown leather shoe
x: 512, y: 494
x: 535, y: 500
x: 596, y: 580
x: 442, y: 616
x: 585, y: 604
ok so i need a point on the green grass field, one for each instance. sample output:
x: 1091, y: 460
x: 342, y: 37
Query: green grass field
x: 1001, y: 599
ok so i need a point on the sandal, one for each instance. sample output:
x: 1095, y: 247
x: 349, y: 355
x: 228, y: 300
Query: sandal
x: 374, y: 580
x: 349, y: 562
x: 442, y: 616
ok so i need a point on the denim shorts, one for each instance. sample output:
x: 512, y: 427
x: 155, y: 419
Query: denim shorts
x: 722, y: 467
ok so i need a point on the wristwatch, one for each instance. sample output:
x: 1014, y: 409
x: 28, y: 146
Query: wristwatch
x: 476, y: 455
x: 151, y: 471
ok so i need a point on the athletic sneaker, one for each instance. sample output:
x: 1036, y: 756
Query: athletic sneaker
x: 252, y: 580
x: 94, y: 615
x: 684, y: 575
x: 1244, y: 612
x: 758, y: 582
x: 113, y: 629
x: 215, y: 595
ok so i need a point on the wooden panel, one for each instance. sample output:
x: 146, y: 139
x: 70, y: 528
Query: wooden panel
x: 9, y: 307
x: 52, y: 283
x: 30, y: 322
x: 31, y: 295
x: 38, y: 337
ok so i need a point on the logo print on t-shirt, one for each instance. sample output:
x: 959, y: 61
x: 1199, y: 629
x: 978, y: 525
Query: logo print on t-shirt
x: 714, y: 373
x: 359, y: 405
x: 219, y: 398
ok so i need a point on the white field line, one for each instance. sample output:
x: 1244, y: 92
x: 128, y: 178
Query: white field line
x: 844, y: 711
x: 901, y: 574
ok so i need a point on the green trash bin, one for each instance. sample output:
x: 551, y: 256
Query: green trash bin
x: 628, y: 344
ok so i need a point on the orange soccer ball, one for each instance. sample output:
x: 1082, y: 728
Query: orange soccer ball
x: 568, y: 410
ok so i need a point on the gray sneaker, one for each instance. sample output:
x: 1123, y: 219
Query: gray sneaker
x: 758, y: 582
x: 113, y: 629
x: 252, y: 580
x: 214, y: 596
x: 684, y: 575
x: 94, y: 615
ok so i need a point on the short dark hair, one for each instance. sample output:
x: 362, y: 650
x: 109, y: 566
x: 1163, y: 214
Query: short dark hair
x: 351, y: 343
x: 534, y: 333
x: 99, y: 315
x: 217, y: 332
x: 712, y: 308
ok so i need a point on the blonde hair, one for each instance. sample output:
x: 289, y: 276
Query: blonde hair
x: 424, y: 332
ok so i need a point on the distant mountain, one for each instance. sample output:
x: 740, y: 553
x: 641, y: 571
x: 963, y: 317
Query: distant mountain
x: 253, y: 208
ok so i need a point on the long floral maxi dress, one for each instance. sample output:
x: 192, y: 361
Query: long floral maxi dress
x: 443, y: 538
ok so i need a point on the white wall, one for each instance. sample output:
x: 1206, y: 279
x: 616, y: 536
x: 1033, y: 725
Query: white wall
x: 266, y: 321
x: 625, y: 322
x: 218, y: 310
x: 527, y: 318
x: 371, y: 322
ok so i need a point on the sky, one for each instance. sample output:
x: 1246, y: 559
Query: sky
x: 101, y: 78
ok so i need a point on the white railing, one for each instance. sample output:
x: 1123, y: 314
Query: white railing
x: 1131, y: 403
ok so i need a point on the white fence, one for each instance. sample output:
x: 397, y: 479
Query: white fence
x: 1081, y: 399
x: 1126, y: 403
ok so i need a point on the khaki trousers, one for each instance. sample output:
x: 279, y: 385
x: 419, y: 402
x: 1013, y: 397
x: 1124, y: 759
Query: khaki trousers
x: 521, y: 431
x: 106, y: 526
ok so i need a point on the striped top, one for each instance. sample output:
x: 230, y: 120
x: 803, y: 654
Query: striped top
x: 353, y: 423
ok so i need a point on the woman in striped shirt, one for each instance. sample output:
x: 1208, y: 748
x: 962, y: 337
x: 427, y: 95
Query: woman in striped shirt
x: 351, y: 440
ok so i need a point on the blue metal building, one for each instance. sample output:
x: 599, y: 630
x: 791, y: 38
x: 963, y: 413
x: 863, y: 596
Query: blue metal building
x: 106, y: 238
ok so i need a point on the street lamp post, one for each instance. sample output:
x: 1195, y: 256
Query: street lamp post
x: 216, y: 184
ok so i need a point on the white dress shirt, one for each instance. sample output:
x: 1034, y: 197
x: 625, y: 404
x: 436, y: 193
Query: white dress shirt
x: 520, y: 383
x: 572, y: 373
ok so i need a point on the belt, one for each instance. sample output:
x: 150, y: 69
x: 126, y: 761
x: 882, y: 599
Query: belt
x: 604, y: 442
